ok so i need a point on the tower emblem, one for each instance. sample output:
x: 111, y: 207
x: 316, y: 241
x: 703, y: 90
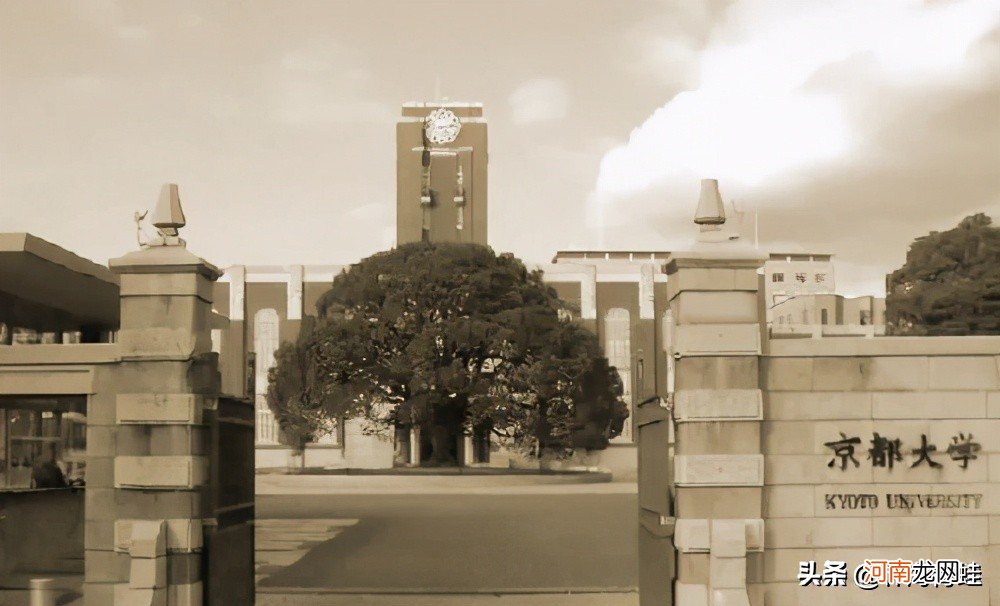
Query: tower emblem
x: 442, y: 126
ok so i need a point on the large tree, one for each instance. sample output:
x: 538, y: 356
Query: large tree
x: 950, y: 283
x: 451, y: 338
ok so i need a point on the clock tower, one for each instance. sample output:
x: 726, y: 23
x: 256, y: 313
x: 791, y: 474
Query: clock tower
x: 441, y: 173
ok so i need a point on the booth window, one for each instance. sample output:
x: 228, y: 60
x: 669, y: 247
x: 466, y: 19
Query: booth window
x: 43, y: 441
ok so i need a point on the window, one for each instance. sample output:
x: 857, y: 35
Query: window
x: 266, y: 326
x: 824, y: 317
x: 805, y: 316
x: 866, y: 317
x: 43, y: 441
x: 777, y: 277
x: 618, y: 350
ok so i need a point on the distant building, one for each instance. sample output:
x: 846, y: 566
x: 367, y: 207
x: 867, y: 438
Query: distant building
x: 828, y: 315
x: 265, y: 306
x: 788, y: 275
x: 622, y: 297
x: 441, y: 175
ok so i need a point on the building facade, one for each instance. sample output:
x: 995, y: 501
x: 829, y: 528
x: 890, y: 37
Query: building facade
x: 621, y: 297
x: 265, y: 306
x: 788, y: 275
x: 441, y: 173
x: 828, y: 315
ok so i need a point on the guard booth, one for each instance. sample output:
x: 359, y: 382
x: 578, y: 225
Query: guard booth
x: 657, y: 561
x: 131, y: 408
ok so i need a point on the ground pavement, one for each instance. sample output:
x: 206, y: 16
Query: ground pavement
x: 445, y: 540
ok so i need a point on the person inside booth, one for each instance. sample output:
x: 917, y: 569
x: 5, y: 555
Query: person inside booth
x: 46, y: 473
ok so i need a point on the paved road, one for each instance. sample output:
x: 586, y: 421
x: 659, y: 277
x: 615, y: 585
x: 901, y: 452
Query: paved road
x: 275, y: 484
x: 575, y: 599
x: 556, y: 540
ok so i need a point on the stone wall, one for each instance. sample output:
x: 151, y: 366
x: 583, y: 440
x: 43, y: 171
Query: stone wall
x: 787, y: 452
x: 820, y: 505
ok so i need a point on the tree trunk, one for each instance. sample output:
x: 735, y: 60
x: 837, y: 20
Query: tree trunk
x: 442, y: 444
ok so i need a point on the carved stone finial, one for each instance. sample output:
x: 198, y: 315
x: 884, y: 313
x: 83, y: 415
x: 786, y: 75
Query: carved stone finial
x: 711, y: 214
x: 168, y: 217
x: 710, y: 211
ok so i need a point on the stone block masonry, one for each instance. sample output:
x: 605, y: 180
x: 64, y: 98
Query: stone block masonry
x: 717, y: 409
x: 819, y: 450
x: 144, y: 541
x: 885, y: 449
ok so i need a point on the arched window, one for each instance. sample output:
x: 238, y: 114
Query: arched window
x: 266, y: 339
x: 618, y: 350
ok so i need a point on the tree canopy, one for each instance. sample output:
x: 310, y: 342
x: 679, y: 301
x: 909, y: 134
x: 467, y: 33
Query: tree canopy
x: 950, y: 283
x: 450, y: 337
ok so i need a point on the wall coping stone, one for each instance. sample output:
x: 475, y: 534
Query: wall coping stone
x: 728, y: 259
x: 884, y: 346
x: 163, y: 260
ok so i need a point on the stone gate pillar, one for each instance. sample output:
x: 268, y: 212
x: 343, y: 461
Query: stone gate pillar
x: 718, y: 465
x: 148, y: 547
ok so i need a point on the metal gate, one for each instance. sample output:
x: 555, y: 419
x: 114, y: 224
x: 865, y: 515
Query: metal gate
x: 229, y: 529
x: 657, y: 558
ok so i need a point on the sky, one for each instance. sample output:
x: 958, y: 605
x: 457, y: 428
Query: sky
x: 848, y: 127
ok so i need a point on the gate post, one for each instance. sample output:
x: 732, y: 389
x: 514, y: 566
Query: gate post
x: 167, y: 378
x: 717, y: 409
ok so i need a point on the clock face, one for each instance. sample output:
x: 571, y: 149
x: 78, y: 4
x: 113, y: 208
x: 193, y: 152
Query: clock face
x: 442, y: 126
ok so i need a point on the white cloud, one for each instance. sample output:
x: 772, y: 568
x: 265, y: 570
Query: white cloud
x: 133, y: 32
x: 539, y: 100
x: 754, y: 116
